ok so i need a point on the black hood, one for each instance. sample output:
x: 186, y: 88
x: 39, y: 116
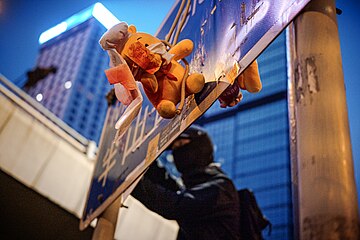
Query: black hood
x: 195, y: 155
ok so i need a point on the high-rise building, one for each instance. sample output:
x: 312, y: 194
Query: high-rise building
x: 76, y: 92
x: 252, y: 141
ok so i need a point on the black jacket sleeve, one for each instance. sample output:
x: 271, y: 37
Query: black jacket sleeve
x: 178, y: 205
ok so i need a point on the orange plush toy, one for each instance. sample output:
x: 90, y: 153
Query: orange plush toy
x: 152, y: 63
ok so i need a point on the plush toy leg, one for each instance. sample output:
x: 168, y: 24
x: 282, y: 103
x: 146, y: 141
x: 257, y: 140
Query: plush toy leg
x: 149, y: 82
x: 240, y: 80
x: 194, y: 83
x: 166, y: 109
x: 250, y: 79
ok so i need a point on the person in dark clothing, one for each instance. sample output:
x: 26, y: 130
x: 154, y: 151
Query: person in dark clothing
x: 209, y: 206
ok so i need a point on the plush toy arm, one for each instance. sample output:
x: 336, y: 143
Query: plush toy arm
x: 250, y: 79
x: 149, y: 82
x: 182, y: 49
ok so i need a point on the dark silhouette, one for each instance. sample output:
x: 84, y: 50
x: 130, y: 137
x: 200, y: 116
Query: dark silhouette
x: 38, y: 74
x: 208, y: 208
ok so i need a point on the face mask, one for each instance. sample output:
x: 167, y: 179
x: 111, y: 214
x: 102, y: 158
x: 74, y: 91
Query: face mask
x: 196, y: 154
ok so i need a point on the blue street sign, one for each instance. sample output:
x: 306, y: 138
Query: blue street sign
x: 228, y: 36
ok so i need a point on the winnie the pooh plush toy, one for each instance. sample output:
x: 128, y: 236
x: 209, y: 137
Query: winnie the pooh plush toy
x: 154, y: 64
x: 150, y: 62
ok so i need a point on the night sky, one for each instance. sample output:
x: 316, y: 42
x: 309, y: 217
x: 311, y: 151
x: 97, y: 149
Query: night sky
x: 22, y: 22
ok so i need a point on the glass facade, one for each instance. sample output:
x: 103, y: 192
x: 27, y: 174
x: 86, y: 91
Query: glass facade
x: 252, y: 141
x: 76, y: 92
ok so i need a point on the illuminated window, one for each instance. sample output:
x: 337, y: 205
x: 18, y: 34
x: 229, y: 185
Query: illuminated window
x: 67, y: 84
x: 39, y: 97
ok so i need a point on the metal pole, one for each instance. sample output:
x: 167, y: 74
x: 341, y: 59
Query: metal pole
x: 106, y: 225
x: 323, y: 172
x: 292, y: 127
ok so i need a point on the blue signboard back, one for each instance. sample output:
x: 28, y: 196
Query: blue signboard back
x: 228, y: 35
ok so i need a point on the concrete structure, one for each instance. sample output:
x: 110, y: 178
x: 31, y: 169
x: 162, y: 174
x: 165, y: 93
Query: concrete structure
x: 54, y: 164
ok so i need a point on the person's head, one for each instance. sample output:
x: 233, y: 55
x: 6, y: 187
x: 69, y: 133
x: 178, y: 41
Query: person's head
x: 192, y: 150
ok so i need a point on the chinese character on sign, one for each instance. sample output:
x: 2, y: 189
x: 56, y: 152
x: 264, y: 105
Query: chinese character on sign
x: 108, y: 162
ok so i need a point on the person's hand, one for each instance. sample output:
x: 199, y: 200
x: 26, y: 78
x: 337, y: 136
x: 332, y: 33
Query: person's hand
x: 231, y: 96
x: 249, y: 80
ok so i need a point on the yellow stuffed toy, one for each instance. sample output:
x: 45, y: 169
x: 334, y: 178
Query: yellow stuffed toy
x: 153, y: 64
